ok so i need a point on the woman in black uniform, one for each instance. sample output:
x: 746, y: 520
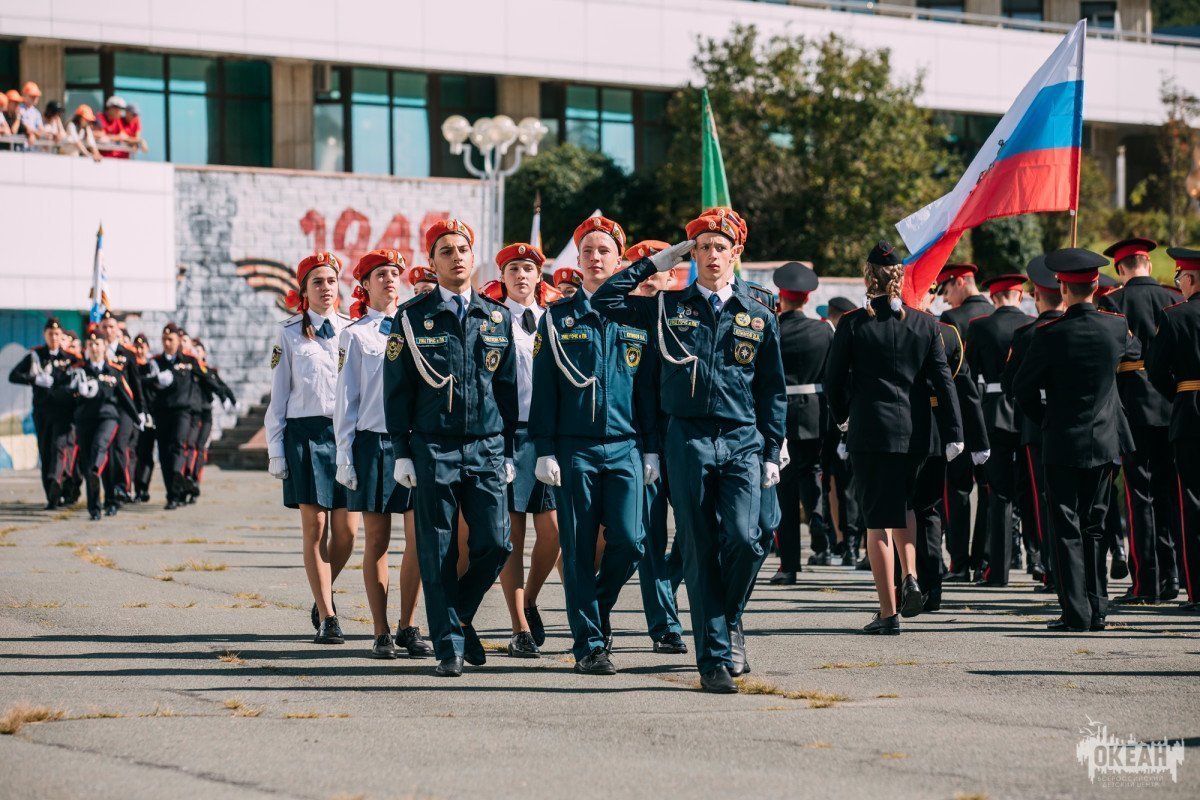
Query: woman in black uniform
x: 886, y: 361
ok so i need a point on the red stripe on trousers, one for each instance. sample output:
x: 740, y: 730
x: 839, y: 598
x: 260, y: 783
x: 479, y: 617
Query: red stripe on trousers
x: 1132, y: 541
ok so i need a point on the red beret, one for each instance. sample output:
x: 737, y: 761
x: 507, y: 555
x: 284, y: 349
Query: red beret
x: 519, y: 250
x: 377, y: 258
x: 418, y: 274
x: 322, y: 259
x: 718, y: 220
x: 1003, y: 283
x: 568, y: 275
x: 444, y: 227
x: 642, y: 249
x: 604, y: 225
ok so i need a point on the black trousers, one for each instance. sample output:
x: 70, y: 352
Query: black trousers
x: 1149, y: 492
x: 95, y: 438
x: 55, y: 432
x: 1031, y: 489
x: 1187, y: 486
x: 204, y: 426
x: 960, y: 479
x: 838, y: 477
x: 1001, y: 469
x: 799, y: 485
x: 121, y: 458
x: 173, y: 428
x: 927, y: 506
x: 144, y: 470
x: 1078, y: 499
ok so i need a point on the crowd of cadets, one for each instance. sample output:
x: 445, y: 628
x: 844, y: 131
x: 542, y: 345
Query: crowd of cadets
x: 102, y: 402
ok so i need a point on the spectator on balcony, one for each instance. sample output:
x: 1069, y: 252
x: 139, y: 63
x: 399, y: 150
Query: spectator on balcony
x: 5, y: 130
x: 133, y: 128
x: 112, y: 127
x: 13, y: 112
x: 31, y: 118
x: 81, y: 137
x: 53, y: 128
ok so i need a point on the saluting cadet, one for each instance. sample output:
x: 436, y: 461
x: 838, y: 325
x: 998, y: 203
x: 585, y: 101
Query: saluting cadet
x: 450, y: 395
x: 989, y: 339
x: 365, y: 462
x: 1150, y: 490
x: 522, y: 290
x: 118, y: 479
x: 1074, y: 360
x: 804, y: 345
x: 218, y: 390
x: 102, y: 394
x: 568, y: 280
x: 1173, y: 366
x: 956, y: 285
x: 300, y: 438
x: 592, y: 421
x: 722, y: 388
x: 52, y: 410
x: 886, y: 361
x: 144, y: 463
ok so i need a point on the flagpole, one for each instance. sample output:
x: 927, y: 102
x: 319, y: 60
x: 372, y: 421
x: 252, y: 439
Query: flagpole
x: 1079, y: 159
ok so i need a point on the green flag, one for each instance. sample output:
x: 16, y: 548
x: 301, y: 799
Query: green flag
x: 714, y: 190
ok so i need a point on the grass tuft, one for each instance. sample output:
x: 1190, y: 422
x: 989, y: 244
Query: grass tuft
x: 135, y: 605
x: 197, y: 566
x: 887, y: 696
x: 230, y: 657
x: 816, y: 699
x: 94, y: 558
x: 302, y: 715
x: 180, y: 605
x: 159, y: 711
x: 845, y: 665
x: 21, y: 715
x: 248, y: 596
x: 34, y: 604
x: 893, y: 756
x: 164, y: 578
x: 817, y: 745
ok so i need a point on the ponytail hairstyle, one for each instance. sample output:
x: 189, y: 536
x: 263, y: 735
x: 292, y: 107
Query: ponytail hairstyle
x: 884, y: 274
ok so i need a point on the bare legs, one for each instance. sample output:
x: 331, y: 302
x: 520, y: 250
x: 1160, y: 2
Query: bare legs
x: 512, y: 576
x: 545, y: 554
x: 378, y: 528
x: 410, y: 573
x: 882, y: 556
x: 324, y: 557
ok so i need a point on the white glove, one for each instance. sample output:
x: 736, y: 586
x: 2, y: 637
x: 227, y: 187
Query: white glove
x: 666, y: 259
x: 770, y: 474
x: 546, y: 470
x: 954, y: 450
x: 143, y: 420
x: 227, y: 403
x: 76, y: 379
x: 44, y: 380
x: 650, y: 468
x: 277, y: 468
x: 152, y: 370
x: 844, y: 426
x: 980, y: 456
x: 346, y: 477
x: 89, y: 388
x: 784, y: 457
x: 842, y: 452
x: 510, y: 471
x: 165, y: 379
x: 406, y: 473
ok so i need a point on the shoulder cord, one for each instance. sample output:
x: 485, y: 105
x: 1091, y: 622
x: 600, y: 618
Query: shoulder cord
x: 427, y: 372
x: 568, y: 369
x: 690, y: 358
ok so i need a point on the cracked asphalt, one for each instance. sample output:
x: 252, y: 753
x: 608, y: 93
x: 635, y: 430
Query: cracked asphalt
x: 207, y: 685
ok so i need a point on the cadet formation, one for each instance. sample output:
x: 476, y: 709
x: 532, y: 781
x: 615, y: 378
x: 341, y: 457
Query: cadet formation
x: 592, y: 404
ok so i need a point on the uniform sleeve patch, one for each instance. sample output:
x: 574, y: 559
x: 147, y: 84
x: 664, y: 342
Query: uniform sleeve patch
x: 746, y: 333
x: 276, y: 356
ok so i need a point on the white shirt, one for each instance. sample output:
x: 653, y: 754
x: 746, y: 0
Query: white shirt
x: 724, y: 293
x: 448, y: 299
x: 304, y: 381
x: 359, y: 395
x: 524, y: 350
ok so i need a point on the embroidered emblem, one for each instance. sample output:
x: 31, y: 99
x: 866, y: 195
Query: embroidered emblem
x: 569, y: 322
x: 757, y: 323
x: 341, y: 358
x: 492, y: 360
x: 394, y: 346
x: 537, y: 344
x: 276, y: 356
x: 743, y: 352
x: 633, y: 355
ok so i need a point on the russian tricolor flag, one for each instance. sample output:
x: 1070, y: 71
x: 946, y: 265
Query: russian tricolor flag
x: 1029, y: 164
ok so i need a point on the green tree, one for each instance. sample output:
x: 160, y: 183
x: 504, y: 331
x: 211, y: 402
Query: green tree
x: 1006, y: 244
x: 1095, y: 211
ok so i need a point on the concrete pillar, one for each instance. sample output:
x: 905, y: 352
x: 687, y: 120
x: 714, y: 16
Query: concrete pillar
x: 518, y: 97
x: 1134, y: 15
x: 1120, y: 190
x: 41, y: 61
x: 1061, y: 11
x: 292, y: 114
x: 989, y: 7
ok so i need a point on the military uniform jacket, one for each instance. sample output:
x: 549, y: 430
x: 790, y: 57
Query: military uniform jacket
x: 184, y: 392
x: 1031, y: 431
x: 473, y: 361
x: 804, y: 346
x: 1173, y: 365
x: 974, y: 307
x: 126, y: 359
x: 724, y: 368
x: 573, y: 344
x: 214, y: 388
x: 113, y: 393
x: 1141, y: 300
x: 975, y: 437
x: 990, y: 339
x: 882, y: 370
x: 57, y: 364
x: 1074, y: 360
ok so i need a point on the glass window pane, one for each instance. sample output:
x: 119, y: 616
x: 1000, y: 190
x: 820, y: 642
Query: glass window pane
x: 94, y: 98
x: 329, y: 138
x: 247, y: 133
x: 369, y: 86
x: 81, y: 69
x: 654, y: 147
x: 582, y: 102
x: 332, y: 91
x: 408, y: 89
x: 193, y: 75
x: 248, y: 78
x: 616, y: 139
x: 410, y: 137
x: 654, y: 106
x: 552, y: 99
x: 585, y: 133
x: 138, y: 71
x: 453, y: 91
x: 193, y: 129
x: 617, y: 105
x: 552, y: 133
x: 152, y: 111
x: 369, y: 126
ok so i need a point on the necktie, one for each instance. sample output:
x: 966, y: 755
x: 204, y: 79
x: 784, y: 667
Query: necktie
x: 385, y: 326
x: 325, y: 331
x: 461, y: 308
x: 527, y: 321
x: 715, y: 302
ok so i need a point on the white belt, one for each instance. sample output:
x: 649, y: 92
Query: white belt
x: 806, y: 388
x: 992, y: 388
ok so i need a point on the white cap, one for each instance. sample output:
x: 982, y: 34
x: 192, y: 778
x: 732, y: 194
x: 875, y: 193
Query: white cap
x: 116, y: 100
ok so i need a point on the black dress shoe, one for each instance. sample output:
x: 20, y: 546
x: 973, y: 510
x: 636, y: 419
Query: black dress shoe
x: 171, y: 505
x: 330, y: 632
x: 932, y: 604
x: 143, y: 497
x: 1098, y: 624
x: 1045, y: 588
x: 94, y: 516
x: 670, y: 642
x: 863, y: 565
x: 819, y: 559
x: 449, y: 667
x: 410, y: 639
x: 848, y: 558
x: 911, y: 602
x: 1169, y: 592
x: 782, y: 578
x: 1061, y: 625
x: 110, y: 510
x: 537, y: 628
x: 521, y: 645
x: 883, y: 626
x: 718, y: 681
x: 957, y: 576
x: 384, y: 647
x: 1119, y: 569
x: 473, y: 652
x: 606, y: 632
x: 1131, y: 599
x: 737, y: 646
x: 596, y: 662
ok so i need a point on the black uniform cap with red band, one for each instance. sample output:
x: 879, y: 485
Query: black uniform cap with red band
x: 1076, y: 265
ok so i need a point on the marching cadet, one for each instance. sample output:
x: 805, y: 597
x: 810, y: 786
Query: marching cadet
x: 1074, y: 360
x: 144, y: 463
x: 217, y: 390
x: 658, y: 571
x: 1150, y: 490
x: 568, y: 280
x: 722, y: 388
x: 191, y: 488
x: 1173, y: 367
x: 450, y: 395
x: 102, y: 393
x: 421, y: 279
x: 52, y: 410
x: 300, y: 437
x: 118, y: 480
x: 886, y: 361
x: 804, y: 344
x: 592, y: 421
x: 365, y: 462
x: 522, y: 290
x: 836, y: 476
x: 989, y: 340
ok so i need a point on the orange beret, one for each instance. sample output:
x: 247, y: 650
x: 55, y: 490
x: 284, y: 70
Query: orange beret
x: 517, y: 251
x: 322, y: 259
x: 377, y: 258
x: 604, y: 225
x: 568, y: 275
x: 420, y: 274
x: 644, y: 248
x: 444, y: 227
x: 711, y: 222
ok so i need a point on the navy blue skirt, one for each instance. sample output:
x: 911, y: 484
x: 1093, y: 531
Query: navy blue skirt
x: 311, y: 456
x: 375, y: 468
x: 526, y: 494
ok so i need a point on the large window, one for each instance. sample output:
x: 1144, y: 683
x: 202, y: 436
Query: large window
x: 943, y: 5
x: 627, y: 125
x: 9, y: 65
x: 1022, y: 9
x: 388, y: 122
x: 194, y: 110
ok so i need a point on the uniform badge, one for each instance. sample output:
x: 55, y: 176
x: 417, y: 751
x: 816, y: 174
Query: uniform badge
x: 428, y: 324
x: 569, y: 322
x: 483, y: 327
x: 497, y: 317
x: 492, y: 360
x: 276, y: 356
x: 743, y: 352
x: 341, y: 358
x: 742, y: 319
x: 757, y: 323
x: 633, y: 355
x: 537, y: 344
x: 394, y: 346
